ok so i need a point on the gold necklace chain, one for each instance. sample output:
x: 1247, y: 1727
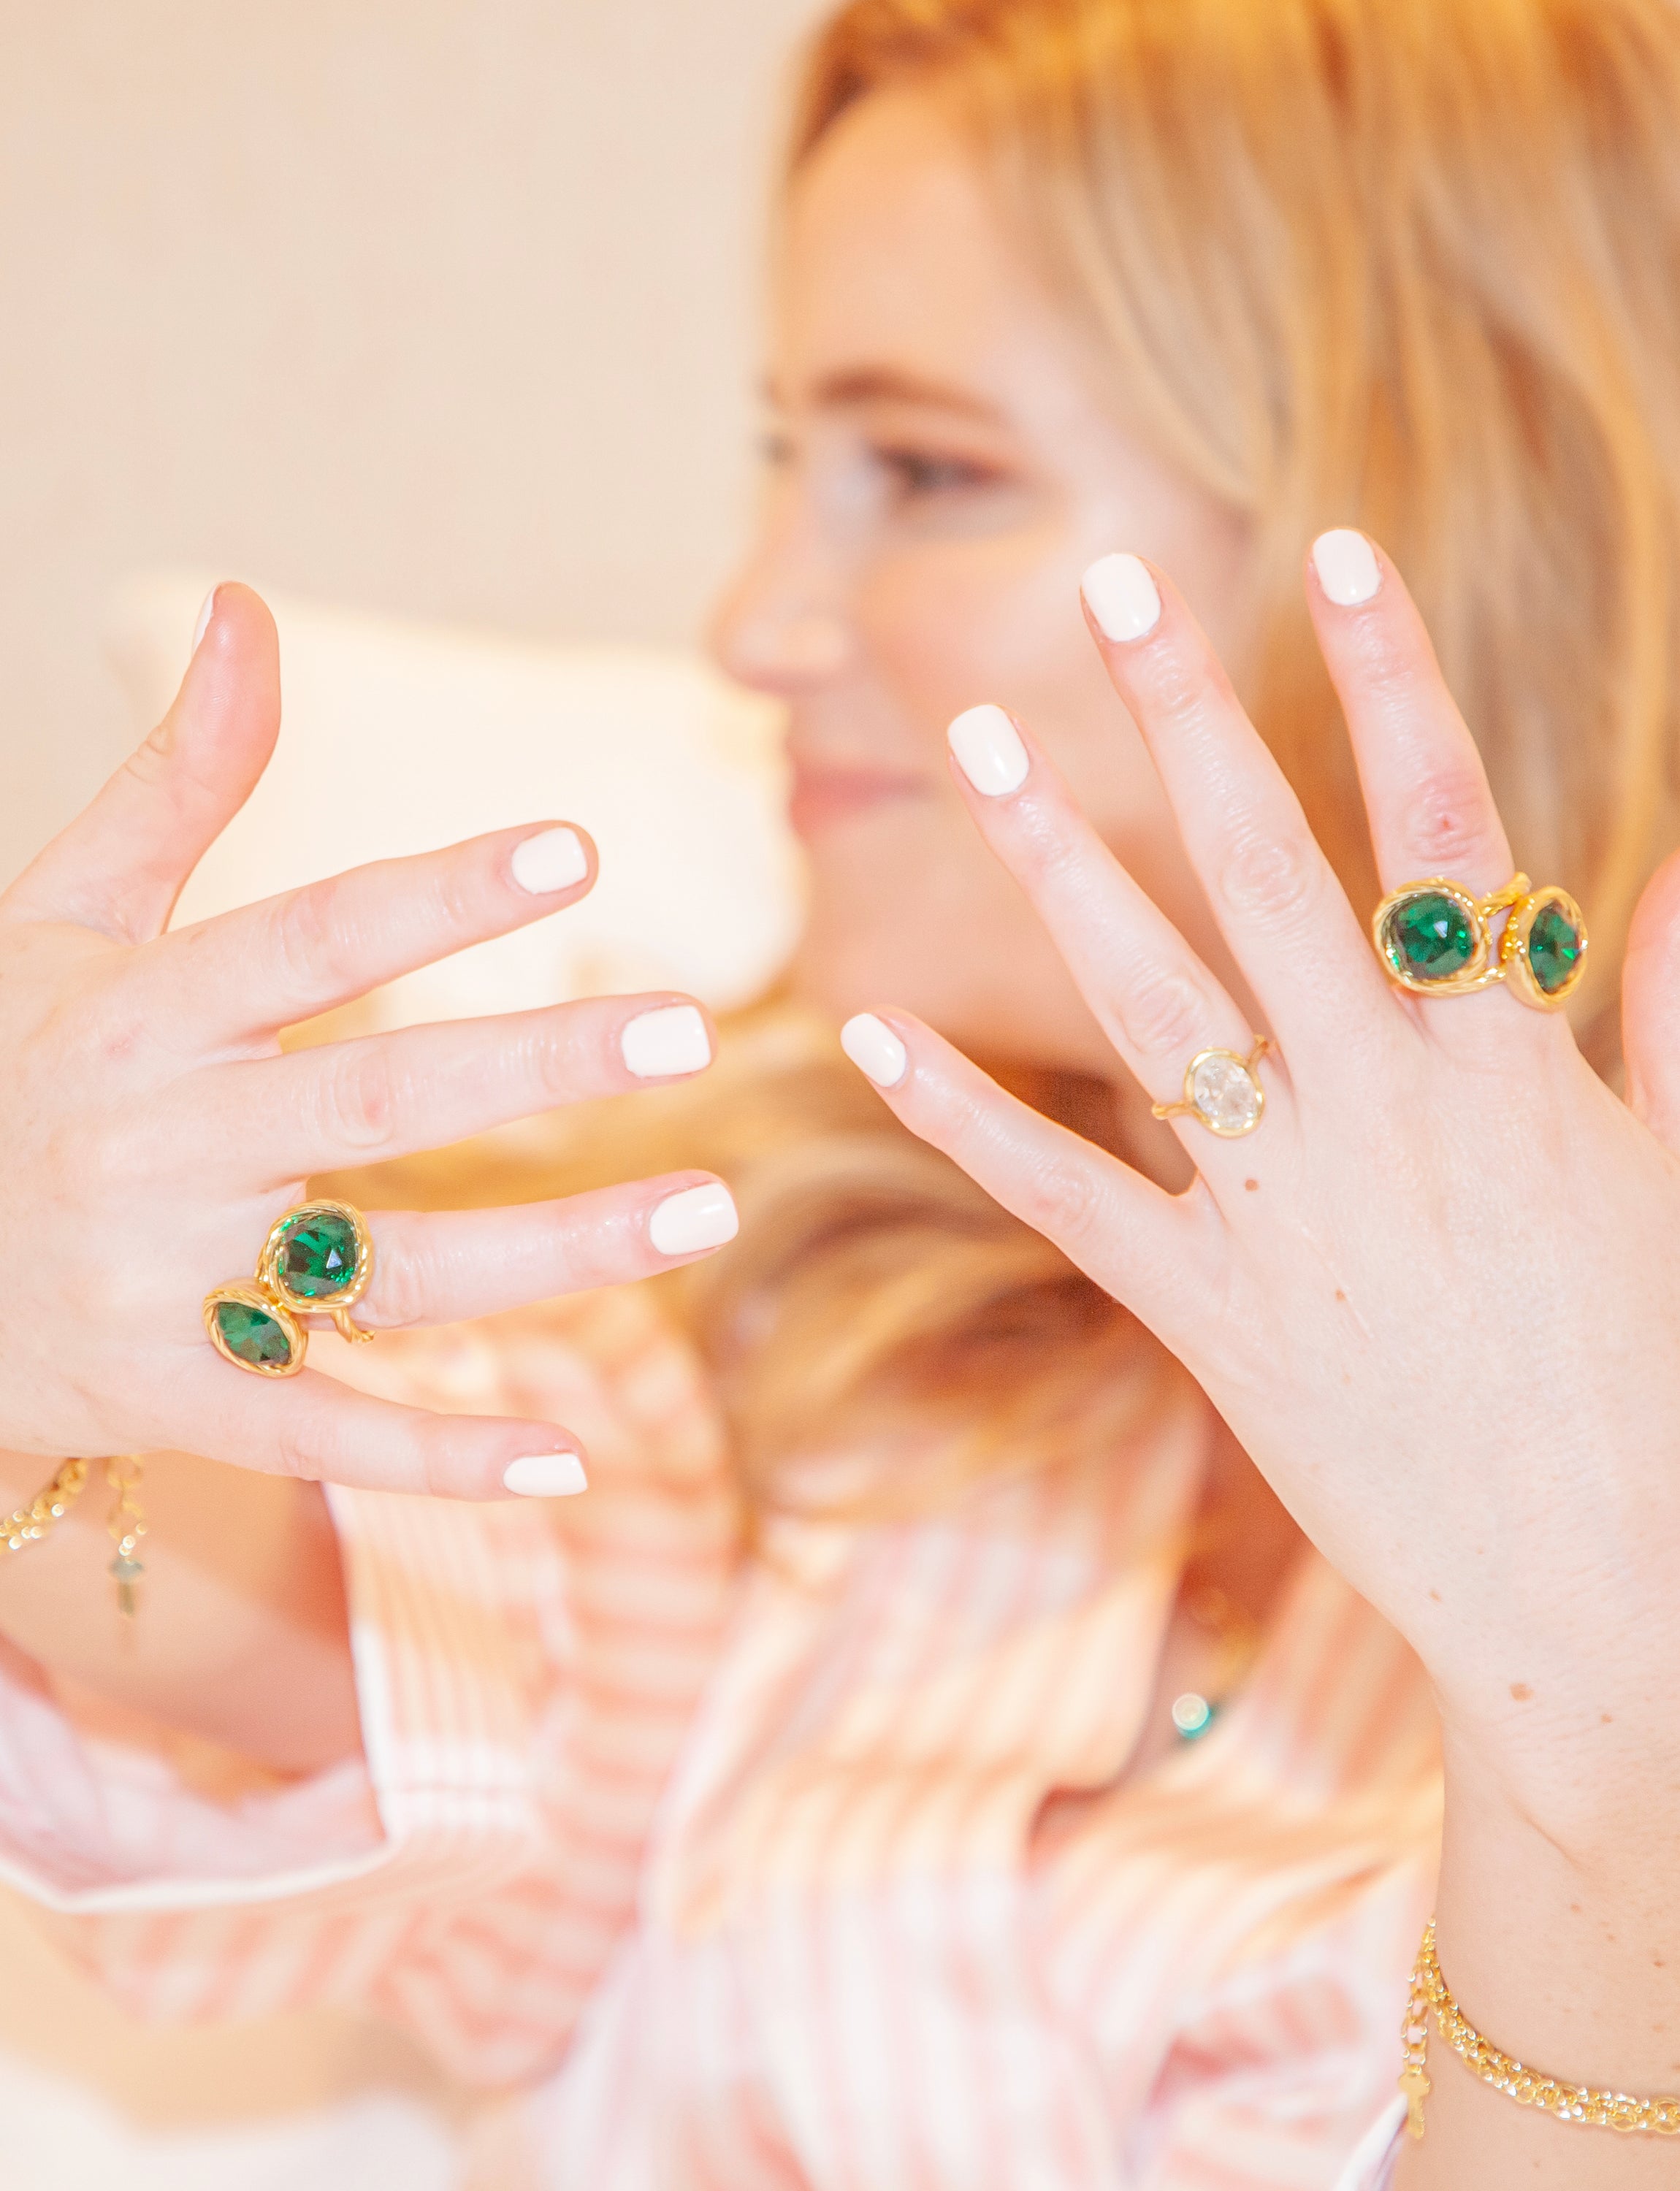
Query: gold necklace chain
x: 1578, y: 2103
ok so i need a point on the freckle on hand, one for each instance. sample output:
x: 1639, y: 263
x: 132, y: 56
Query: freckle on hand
x: 1340, y: 1294
x: 1252, y: 1184
x: 1521, y: 1691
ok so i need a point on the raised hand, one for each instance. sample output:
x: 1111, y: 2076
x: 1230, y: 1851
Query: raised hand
x: 153, y: 1129
x: 1435, y: 1292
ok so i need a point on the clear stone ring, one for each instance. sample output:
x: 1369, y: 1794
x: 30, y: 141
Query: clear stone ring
x: 1223, y: 1091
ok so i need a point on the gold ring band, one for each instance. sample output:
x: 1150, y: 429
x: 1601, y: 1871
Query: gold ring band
x: 1435, y: 938
x: 318, y: 1260
x: 1222, y: 1090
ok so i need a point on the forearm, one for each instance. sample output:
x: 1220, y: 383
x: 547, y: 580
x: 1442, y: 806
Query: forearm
x: 1564, y: 1953
x: 241, y: 1637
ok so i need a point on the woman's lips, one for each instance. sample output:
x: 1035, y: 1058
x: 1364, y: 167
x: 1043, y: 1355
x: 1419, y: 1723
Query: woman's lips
x: 823, y: 793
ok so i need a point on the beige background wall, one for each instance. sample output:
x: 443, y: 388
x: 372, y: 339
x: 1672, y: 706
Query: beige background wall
x: 410, y: 304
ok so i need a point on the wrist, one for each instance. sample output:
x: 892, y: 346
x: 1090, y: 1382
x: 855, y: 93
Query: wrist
x: 1558, y: 1930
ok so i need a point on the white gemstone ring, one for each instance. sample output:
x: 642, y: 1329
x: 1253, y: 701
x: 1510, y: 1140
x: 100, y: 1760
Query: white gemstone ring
x: 1223, y: 1091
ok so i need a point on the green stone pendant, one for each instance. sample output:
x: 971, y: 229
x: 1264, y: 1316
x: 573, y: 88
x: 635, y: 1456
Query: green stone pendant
x: 250, y: 1328
x: 1431, y: 936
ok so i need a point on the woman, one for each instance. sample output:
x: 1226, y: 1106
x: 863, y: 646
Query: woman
x: 875, y: 1853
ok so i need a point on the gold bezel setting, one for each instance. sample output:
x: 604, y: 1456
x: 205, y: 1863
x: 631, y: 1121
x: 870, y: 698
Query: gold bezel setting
x: 250, y: 1292
x: 1190, y: 1108
x: 338, y: 1304
x: 1476, y: 973
x: 1513, y: 950
x: 1509, y: 961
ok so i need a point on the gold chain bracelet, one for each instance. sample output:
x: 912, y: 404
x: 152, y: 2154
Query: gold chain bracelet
x: 1578, y: 2103
x: 125, y: 1525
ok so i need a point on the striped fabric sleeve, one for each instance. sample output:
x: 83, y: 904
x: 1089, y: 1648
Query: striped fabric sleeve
x: 488, y: 1642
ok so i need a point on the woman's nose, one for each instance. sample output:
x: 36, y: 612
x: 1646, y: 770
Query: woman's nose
x: 780, y: 627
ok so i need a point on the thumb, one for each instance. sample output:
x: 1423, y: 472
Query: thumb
x: 1650, y: 1005
x: 121, y: 864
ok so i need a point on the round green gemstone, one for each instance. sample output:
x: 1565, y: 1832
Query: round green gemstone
x: 252, y: 1334
x: 317, y: 1255
x: 1429, y: 937
x: 1554, y: 948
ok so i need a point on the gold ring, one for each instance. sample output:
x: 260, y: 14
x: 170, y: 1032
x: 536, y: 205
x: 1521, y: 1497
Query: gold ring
x: 1436, y: 939
x: 1223, y: 1091
x: 318, y: 1260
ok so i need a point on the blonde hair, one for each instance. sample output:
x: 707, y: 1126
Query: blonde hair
x: 1409, y: 265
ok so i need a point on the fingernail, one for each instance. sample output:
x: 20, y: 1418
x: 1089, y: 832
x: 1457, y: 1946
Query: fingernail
x: 672, y: 1040
x: 1347, y: 568
x: 545, y: 1476
x: 203, y: 623
x: 875, y: 1050
x: 1122, y: 596
x: 988, y: 751
x: 551, y: 861
x: 699, y: 1217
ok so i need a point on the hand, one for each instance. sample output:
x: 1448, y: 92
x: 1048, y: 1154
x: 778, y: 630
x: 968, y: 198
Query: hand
x: 1436, y: 1293
x: 153, y: 1129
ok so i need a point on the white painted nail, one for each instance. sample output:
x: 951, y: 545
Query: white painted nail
x: 988, y: 751
x: 545, y: 1476
x: 203, y: 623
x: 551, y: 861
x: 672, y: 1040
x: 699, y: 1217
x: 875, y: 1050
x: 1347, y: 568
x: 1122, y: 596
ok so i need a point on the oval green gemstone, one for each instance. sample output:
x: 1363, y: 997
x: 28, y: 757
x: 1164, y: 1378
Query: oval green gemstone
x: 252, y: 1334
x: 1429, y: 937
x: 317, y: 1255
x: 1554, y: 948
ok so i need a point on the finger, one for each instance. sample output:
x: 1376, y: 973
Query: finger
x: 1278, y: 904
x: 314, y: 1427
x: 270, y: 966
x: 121, y: 864
x: 420, y: 1088
x: 445, y: 1266
x: 1156, y: 1252
x: 1426, y: 795
x: 1650, y: 1005
x: 1150, y: 993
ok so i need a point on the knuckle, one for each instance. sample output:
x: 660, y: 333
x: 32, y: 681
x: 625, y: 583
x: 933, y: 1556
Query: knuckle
x: 1447, y: 820
x: 359, y: 1099
x: 1164, y: 1013
x: 301, y: 1450
x: 306, y: 941
x: 1270, y: 879
x: 1062, y: 1202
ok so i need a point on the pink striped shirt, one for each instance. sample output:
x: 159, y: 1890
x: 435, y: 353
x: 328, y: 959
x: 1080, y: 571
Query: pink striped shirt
x: 820, y: 1871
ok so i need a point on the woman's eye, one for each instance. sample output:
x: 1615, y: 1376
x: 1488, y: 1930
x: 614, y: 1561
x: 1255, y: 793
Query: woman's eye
x: 918, y: 473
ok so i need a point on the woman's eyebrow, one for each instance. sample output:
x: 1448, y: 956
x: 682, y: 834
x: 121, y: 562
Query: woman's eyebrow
x: 888, y: 383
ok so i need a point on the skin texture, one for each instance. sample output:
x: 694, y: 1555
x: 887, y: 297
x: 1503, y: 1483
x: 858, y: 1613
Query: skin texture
x: 1453, y: 1366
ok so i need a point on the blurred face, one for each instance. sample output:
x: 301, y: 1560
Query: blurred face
x: 945, y: 461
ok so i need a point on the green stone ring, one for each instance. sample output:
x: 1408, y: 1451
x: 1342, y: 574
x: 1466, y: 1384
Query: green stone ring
x: 1436, y: 939
x: 318, y: 1260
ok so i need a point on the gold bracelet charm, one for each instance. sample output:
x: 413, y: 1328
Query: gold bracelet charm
x: 125, y: 1525
x: 1578, y: 2103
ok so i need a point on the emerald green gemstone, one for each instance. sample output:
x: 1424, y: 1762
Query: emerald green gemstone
x: 1429, y: 937
x: 252, y: 1334
x: 1554, y: 948
x: 317, y: 1255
